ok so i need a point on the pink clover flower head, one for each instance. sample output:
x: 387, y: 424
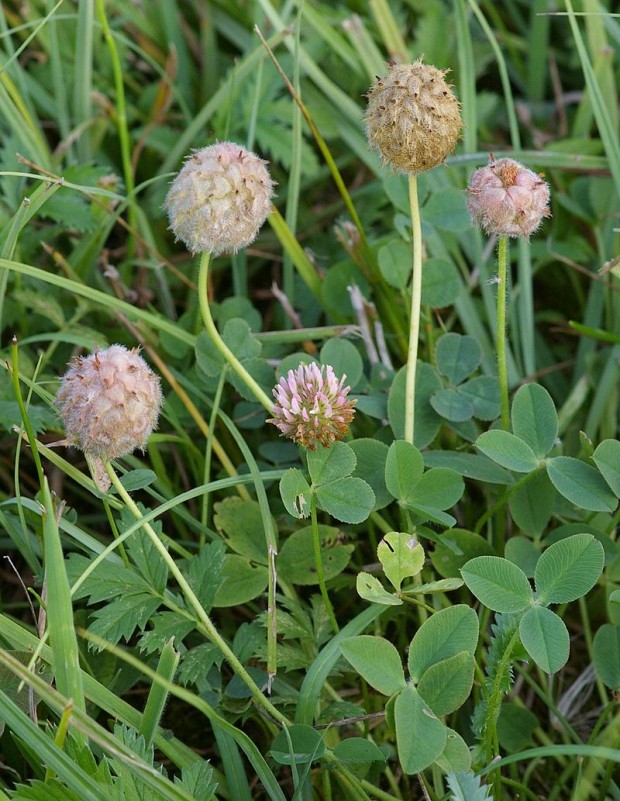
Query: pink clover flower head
x: 507, y: 198
x: 220, y: 199
x: 109, y: 402
x: 312, y: 406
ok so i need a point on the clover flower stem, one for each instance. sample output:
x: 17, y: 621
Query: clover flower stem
x: 206, y: 430
x: 416, y: 297
x: 502, y: 291
x: 195, y: 604
x: 235, y: 364
x: 319, y: 565
x: 122, y: 551
x: 204, y: 512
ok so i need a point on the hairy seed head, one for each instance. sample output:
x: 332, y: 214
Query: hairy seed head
x: 109, y: 402
x: 220, y: 199
x: 507, y: 198
x: 412, y: 118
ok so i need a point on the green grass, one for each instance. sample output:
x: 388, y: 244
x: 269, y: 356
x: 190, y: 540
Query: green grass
x: 170, y: 638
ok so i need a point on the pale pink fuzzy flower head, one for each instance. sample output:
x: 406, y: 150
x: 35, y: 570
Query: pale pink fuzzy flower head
x: 109, y: 402
x: 220, y: 199
x: 312, y: 407
x: 507, y: 198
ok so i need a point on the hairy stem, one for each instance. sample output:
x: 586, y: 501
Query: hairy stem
x: 502, y: 291
x: 494, y: 700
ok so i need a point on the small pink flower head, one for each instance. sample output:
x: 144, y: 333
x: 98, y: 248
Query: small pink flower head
x: 312, y: 406
x: 220, y: 199
x: 109, y: 402
x: 507, y: 198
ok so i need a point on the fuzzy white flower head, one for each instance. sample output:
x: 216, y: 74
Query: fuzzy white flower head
x: 312, y: 406
x: 109, y: 402
x: 220, y: 199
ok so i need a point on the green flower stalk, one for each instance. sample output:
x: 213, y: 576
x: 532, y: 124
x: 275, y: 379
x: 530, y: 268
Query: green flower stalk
x: 217, y: 204
x: 509, y: 200
x: 194, y: 603
x: 414, y: 120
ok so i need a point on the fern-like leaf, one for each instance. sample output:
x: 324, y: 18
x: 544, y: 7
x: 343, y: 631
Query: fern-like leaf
x: 198, y: 781
x: 498, y: 670
x: 467, y: 787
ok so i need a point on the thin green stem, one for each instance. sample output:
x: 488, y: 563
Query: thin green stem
x: 587, y: 631
x: 60, y: 738
x: 503, y: 499
x: 217, y: 398
x: 416, y: 295
x: 318, y: 560
x: 389, y: 29
x: 513, y: 123
x: 122, y: 552
x: 295, y: 174
x: 229, y: 356
x: 376, y: 792
x: 32, y: 440
x: 423, y: 607
x: 191, y: 598
x: 121, y: 115
x: 494, y: 699
x: 502, y: 367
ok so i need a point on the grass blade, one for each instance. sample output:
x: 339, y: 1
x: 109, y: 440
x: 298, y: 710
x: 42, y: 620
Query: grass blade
x: 21, y: 726
x: 236, y: 778
x: 600, y: 109
x: 466, y: 78
x: 63, y: 640
x: 511, y: 112
x: 83, y: 75
x: 158, y: 695
x: 101, y: 299
x: 319, y: 670
x: 244, y: 741
x: 19, y: 638
x: 537, y: 50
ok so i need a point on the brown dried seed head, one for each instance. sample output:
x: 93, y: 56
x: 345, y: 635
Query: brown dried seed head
x: 413, y: 119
